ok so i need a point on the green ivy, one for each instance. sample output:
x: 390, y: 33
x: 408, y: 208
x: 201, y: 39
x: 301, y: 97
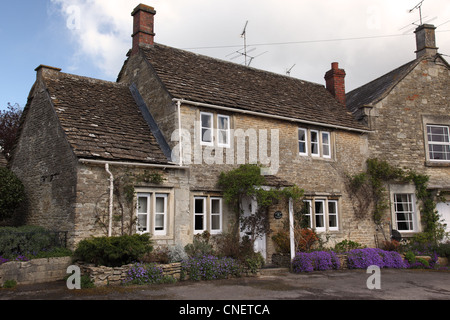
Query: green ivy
x: 380, y: 172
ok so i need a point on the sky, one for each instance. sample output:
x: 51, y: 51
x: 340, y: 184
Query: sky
x: 368, y: 38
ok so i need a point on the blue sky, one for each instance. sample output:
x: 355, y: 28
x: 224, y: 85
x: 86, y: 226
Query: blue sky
x: 91, y: 37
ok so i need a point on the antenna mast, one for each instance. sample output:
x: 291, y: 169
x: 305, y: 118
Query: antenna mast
x: 418, y: 6
x: 244, y: 35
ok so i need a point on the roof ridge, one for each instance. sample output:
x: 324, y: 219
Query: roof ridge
x: 86, y: 78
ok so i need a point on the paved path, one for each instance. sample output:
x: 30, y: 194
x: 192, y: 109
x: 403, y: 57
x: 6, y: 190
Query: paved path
x: 327, y: 285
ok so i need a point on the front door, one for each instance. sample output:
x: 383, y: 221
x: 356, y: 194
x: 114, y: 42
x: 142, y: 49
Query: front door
x: 249, y: 207
x: 444, y: 212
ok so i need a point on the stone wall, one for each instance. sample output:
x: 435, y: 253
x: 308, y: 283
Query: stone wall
x: 103, y: 276
x: 45, y: 164
x: 35, y: 271
x: 92, y: 203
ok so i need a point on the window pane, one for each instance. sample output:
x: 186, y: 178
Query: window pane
x: 332, y: 221
x: 199, y: 214
x: 223, y: 137
x: 159, y: 222
x: 326, y: 144
x: 319, y: 214
x: 142, y: 205
x: 223, y: 122
x: 160, y: 205
x: 198, y: 223
x: 206, y: 135
x: 215, y: 206
x: 142, y: 222
x: 215, y: 222
x: 314, y: 142
x: 206, y: 121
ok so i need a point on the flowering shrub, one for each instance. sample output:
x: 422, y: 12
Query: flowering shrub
x: 363, y: 258
x: 316, y: 260
x: 18, y: 258
x: 209, y: 267
x: 146, y: 274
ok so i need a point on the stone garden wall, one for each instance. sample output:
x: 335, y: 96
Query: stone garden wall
x: 35, y: 271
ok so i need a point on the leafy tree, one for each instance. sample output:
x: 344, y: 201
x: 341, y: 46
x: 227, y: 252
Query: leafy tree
x: 12, y: 193
x: 9, y: 125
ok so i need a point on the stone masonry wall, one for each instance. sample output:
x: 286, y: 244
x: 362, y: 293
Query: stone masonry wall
x: 400, y: 119
x: 92, y: 204
x: 35, y: 271
x: 45, y: 164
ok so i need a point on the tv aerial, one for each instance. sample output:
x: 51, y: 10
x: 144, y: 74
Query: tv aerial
x: 418, y: 6
x: 288, y: 71
x: 244, y: 51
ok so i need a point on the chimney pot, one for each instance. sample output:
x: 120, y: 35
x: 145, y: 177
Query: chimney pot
x: 143, y: 27
x: 335, y: 82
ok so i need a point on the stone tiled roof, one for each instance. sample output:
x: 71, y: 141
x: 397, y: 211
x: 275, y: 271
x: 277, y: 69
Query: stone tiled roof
x: 101, y: 120
x: 202, y: 79
x: 377, y: 89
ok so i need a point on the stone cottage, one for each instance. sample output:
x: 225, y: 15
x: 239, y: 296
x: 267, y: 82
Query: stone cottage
x: 216, y: 115
x: 408, y: 113
x: 83, y: 144
x: 145, y: 154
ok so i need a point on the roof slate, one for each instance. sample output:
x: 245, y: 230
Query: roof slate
x: 199, y: 78
x: 101, y: 120
x: 377, y: 89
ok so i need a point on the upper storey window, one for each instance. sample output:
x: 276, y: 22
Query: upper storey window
x: 438, y: 142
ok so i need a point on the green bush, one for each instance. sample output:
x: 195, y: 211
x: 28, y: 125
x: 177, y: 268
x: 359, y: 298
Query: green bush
x: 113, y: 251
x: 347, y: 245
x: 12, y: 193
x: 26, y: 240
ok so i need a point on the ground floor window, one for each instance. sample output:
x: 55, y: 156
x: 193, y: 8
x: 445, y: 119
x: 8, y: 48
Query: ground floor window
x: 207, y: 214
x: 152, y: 213
x: 404, y: 207
x: 322, y: 214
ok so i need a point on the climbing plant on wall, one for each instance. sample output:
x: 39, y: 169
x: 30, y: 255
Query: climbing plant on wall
x: 368, y: 191
x: 247, y: 181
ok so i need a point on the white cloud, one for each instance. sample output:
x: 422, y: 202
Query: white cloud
x: 102, y: 31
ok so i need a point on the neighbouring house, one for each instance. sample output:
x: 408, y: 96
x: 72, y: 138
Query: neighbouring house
x: 408, y: 113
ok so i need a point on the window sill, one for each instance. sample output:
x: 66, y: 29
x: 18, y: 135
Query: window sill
x: 438, y: 164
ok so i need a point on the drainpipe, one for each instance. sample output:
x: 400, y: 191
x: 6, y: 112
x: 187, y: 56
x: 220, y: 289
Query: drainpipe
x: 291, y: 228
x: 179, y: 132
x: 111, y: 194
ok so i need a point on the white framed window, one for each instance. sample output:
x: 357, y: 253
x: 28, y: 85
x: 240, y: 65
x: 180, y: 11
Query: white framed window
x: 223, y: 130
x: 152, y: 213
x: 302, y: 141
x: 326, y: 146
x: 208, y: 214
x: 216, y: 215
x: 319, y: 215
x: 199, y: 214
x: 143, y: 213
x: 308, y: 212
x: 206, y: 128
x: 438, y: 142
x: 322, y: 214
x: 160, y: 216
x: 404, y: 209
x: 315, y: 143
x: 333, y: 215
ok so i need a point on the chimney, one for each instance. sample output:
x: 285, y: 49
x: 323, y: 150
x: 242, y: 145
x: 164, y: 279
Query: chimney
x: 425, y: 41
x: 143, y: 27
x: 335, y: 82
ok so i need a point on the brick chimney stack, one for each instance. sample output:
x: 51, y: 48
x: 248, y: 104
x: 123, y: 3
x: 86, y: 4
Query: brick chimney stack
x: 335, y: 82
x: 425, y: 40
x: 143, y: 27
